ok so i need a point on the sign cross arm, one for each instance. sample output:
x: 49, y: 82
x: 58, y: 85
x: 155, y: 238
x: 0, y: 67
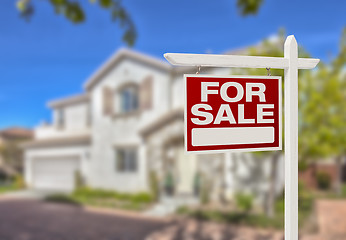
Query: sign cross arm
x: 213, y: 60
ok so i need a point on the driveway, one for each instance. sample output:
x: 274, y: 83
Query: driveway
x: 35, y: 220
x: 30, y: 194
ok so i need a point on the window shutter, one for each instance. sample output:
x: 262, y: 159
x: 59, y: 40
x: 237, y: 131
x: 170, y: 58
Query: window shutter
x: 107, y: 101
x: 146, y: 93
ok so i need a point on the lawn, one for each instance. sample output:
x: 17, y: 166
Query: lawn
x: 8, y: 188
x: 104, y: 198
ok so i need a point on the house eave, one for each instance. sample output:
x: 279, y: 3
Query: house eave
x: 66, y: 101
x: 120, y: 54
x: 57, y: 142
x: 177, y: 114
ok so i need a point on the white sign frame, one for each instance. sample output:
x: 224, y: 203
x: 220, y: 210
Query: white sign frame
x: 290, y: 63
x: 242, y: 149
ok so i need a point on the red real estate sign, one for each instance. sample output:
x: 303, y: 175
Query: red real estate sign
x: 239, y: 113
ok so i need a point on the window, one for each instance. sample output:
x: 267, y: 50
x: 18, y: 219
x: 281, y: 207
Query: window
x: 129, y: 99
x: 60, y: 118
x: 126, y: 160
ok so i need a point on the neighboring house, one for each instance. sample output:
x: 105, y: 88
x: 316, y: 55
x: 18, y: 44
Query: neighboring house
x: 10, y: 152
x: 128, y: 124
x: 328, y: 166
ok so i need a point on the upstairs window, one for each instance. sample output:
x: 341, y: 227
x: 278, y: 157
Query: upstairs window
x: 126, y: 159
x: 128, y: 97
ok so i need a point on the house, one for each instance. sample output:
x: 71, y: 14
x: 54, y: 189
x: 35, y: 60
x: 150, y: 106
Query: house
x: 128, y: 126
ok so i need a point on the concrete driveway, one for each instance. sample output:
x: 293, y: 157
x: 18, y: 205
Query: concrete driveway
x: 36, y: 220
x: 29, y: 194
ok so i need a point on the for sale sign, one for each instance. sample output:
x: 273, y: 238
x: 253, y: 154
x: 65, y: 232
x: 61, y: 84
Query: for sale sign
x: 239, y: 113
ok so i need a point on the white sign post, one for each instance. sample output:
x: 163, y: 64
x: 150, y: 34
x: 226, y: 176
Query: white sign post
x: 290, y: 63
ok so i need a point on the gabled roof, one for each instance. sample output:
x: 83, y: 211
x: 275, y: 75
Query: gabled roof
x: 118, y: 56
x: 16, y: 133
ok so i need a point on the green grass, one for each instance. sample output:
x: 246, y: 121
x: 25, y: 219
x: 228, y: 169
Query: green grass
x: 104, y: 198
x: 4, y: 188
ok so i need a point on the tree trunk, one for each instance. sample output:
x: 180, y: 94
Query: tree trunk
x: 338, y: 182
x: 270, y: 208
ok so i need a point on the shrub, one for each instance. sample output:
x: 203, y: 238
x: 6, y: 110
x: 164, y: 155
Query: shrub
x: 204, y: 195
x: 154, y: 185
x: 142, y: 198
x: 169, y: 184
x: 79, y: 181
x: 303, y: 165
x: 343, y: 190
x: 184, y: 210
x: 323, y: 180
x: 88, y: 193
x: 19, y: 182
x: 61, y: 198
x: 244, y: 202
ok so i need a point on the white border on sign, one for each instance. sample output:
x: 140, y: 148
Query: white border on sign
x: 279, y: 78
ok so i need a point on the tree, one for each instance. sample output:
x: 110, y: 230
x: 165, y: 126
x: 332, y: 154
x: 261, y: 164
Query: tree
x: 11, y: 154
x: 75, y: 13
x: 272, y: 48
x: 323, y: 131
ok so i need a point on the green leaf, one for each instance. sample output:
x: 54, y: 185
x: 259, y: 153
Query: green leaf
x: 248, y: 7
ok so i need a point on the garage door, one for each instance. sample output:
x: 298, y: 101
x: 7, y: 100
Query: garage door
x: 55, y: 173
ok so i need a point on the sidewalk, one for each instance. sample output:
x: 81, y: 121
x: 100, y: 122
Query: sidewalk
x: 331, y: 220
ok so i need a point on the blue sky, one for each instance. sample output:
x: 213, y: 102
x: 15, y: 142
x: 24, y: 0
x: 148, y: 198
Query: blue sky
x: 49, y: 57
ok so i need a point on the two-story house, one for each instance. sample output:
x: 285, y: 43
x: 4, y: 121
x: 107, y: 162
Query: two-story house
x: 128, y: 124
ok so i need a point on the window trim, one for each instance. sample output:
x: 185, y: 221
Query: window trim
x: 116, y: 150
x: 118, y: 95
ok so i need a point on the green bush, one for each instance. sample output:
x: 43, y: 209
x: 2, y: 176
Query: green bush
x: 303, y: 165
x: 62, y: 198
x: 104, y: 198
x: 19, y: 182
x: 154, y: 185
x: 79, y: 181
x: 88, y: 193
x: 183, y: 210
x: 343, y: 190
x: 244, y: 202
x: 323, y: 180
x: 204, y: 195
x: 305, y: 203
x: 169, y: 184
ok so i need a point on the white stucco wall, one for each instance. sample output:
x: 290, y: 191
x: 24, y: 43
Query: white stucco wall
x: 76, y: 122
x: 110, y: 132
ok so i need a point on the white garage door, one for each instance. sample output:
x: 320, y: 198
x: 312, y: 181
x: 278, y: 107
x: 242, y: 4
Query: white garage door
x: 55, y: 173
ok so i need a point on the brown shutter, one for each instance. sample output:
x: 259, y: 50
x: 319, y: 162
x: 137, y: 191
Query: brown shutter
x: 107, y: 101
x: 146, y: 93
